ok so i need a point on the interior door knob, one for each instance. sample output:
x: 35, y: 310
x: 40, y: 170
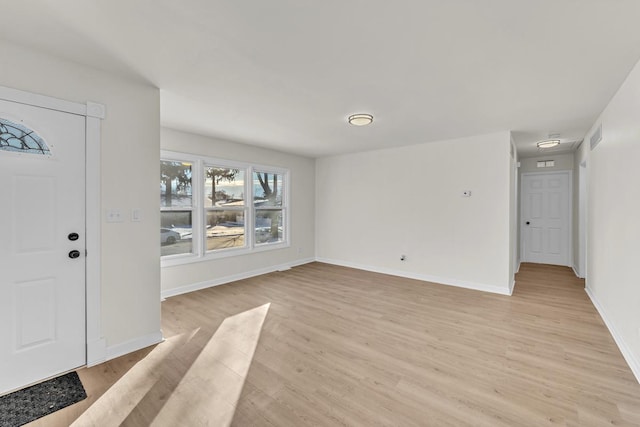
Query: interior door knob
x: 73, y: 236
x: 74, y: 254
x: 527, y: 223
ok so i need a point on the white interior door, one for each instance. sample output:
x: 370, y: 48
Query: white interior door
x: 42, y: 209
x: 546, y: 220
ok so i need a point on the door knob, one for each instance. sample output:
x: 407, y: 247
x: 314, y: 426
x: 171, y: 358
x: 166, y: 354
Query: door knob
x: 73, y: 236
x: 527, y: 223
x: 74, y: 254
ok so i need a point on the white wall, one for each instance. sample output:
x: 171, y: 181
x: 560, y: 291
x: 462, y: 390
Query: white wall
x: 613, y: 209
x: 183, y: 278
x: 580, y: 195
x: 514, y: 246
x: 130, y: 168
x: 374, y: 206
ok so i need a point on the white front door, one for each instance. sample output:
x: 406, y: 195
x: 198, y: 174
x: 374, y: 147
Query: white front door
x: 545, y: 221
x: 42, y: 220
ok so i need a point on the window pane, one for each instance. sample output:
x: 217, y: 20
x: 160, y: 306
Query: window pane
x: 227, y: 185
x: 175, y: 233
x: 175, y: 184
x: 267, y: 189
x: 19, y: 138
x: 268, y: 226
x: 225, y: 229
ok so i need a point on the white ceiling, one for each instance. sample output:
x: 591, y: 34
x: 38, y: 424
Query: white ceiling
x: 285, y: 74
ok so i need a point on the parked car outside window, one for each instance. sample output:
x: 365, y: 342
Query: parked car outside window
x: 168, y: 236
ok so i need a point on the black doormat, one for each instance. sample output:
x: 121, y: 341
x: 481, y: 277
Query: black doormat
x: 31, y: 403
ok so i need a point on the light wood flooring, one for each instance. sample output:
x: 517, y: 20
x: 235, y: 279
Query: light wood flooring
x: 324, y: 345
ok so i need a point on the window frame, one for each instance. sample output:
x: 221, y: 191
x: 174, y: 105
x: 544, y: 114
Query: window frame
x: 182, y: 159
x: 205, y: 209
x: 275, y: 208
x: 199, y: 210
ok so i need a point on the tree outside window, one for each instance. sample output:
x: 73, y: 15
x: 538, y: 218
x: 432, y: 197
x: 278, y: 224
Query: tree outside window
x: 267, y: 200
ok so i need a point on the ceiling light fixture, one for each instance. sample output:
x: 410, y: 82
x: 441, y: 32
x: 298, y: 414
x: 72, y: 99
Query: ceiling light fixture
x: 360, y: 119
x: 550, y: 143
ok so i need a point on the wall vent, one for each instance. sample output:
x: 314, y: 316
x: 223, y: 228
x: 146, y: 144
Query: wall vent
x: 596, y: 137
x: 546, y: 164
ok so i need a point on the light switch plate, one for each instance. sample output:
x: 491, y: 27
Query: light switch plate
x: 136, y: 215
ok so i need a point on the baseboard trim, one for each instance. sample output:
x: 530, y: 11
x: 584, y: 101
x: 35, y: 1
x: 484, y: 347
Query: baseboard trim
x: 629, y: 357
x: 132, y: 345
x: 232, y: 278
x: 424, y: 277
x: 575, y: 271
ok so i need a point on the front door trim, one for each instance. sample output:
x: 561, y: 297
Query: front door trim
x: 94, y: 113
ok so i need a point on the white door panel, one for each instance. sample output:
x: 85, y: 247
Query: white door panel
x: 556, y: 206
x: 555, y: 241
x: 546, y: 210
x: 32, y: 196
x: 535, y: 201
x: 42, y: 289
x: 536, y: 239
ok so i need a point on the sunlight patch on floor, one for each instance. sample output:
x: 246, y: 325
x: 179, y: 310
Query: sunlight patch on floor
x: 205, y: 393
x: 123, y: 396
x: 209, y: 391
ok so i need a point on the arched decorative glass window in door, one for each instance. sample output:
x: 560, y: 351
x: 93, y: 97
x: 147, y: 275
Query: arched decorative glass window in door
x: 20, y: 139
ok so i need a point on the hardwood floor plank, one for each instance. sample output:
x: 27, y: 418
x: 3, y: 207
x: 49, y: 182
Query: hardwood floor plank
x: 324, y: 345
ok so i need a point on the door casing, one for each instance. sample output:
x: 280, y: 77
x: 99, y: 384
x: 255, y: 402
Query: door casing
x: 94, y: 113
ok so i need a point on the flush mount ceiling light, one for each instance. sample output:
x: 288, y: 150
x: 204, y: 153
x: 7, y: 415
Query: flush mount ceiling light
x: 548, y: 143
x: 360, y: 119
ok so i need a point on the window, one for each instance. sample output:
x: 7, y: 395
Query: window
x: 213, y: 208
x: 176, y: 208
x: 225, y: 207
x: 267, y: 200
x: 19, y: 138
